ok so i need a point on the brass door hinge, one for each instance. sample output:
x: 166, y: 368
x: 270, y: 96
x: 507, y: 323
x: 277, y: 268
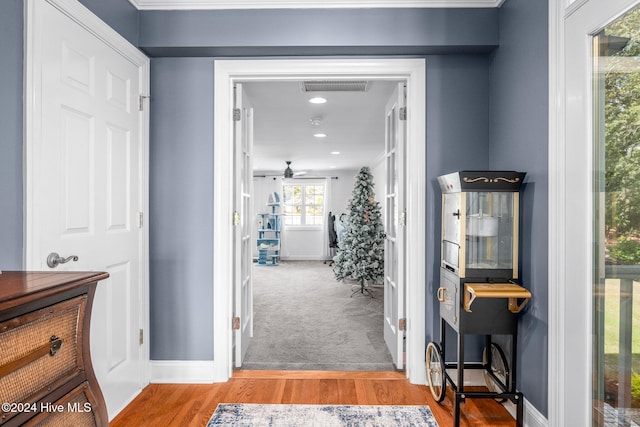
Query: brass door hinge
x: 141, y: 337
x: 402, y: 324
x: 141, y: 102
x: 235, y: 324
x: 403, y: 113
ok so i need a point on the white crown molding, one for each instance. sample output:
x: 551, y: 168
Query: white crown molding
x: 308, y: 4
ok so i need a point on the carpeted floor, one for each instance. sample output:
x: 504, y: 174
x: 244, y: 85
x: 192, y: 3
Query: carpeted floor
x: 257, y: 415
x: 306, y: 320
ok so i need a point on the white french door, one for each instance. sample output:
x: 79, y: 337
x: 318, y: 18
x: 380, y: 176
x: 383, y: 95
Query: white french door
x: 85, y: 169
x: 394, y: 286
x: 577, y: 203
x: 243, y: 221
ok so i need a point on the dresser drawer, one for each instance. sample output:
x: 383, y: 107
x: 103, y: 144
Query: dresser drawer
x: 41, y: 350
x: 74, y: 409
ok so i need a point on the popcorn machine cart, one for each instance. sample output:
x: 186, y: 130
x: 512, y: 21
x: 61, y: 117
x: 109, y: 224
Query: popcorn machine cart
x: 479, y: 292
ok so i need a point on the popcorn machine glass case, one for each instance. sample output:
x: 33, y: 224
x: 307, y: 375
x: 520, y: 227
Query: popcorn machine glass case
x: 480, y: 228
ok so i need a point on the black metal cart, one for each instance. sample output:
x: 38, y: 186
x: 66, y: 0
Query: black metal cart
x: 479, y: 293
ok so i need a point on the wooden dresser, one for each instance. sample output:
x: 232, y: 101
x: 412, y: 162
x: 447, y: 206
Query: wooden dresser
x: 46, y: 376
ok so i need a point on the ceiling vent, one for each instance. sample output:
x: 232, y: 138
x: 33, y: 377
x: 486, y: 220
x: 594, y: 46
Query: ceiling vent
x: 333, y: 86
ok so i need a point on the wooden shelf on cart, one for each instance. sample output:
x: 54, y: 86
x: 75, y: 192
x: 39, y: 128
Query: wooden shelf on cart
x: 510, y: 291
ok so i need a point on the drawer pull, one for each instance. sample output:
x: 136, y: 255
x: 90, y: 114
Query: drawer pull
x: 56, y: 343
x: 51, y: 348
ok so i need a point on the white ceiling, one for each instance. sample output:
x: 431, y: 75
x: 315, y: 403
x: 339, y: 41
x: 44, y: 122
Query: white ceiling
x: 283, y: 128
x: 298, y: 4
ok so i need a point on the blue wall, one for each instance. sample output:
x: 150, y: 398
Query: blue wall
x: 457, y: 139
x: 120, y: 15
x: 318, y: 32
x: 11, y: 135
x: 181, y: 205
x: 519, y: 141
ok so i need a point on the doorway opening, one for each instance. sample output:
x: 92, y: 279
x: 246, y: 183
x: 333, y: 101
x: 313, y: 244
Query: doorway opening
x: 303, y: 317
x: 227, y: 73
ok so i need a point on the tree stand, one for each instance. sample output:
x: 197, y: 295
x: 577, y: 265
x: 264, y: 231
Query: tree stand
x: 363, y: 288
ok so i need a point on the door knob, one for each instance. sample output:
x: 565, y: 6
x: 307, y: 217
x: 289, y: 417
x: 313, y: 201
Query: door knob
x: 54, y: 259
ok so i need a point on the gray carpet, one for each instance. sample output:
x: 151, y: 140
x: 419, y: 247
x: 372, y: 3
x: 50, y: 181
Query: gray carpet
x: 306, y: 320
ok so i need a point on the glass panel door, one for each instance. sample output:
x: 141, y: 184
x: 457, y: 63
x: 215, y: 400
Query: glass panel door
x: 616, y: 285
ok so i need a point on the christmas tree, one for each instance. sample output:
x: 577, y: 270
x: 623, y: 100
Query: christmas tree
x: 361, y: 252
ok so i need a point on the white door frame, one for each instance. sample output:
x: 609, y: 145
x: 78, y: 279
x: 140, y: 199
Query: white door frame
x: 571, y: 204
x: 33, y: 133
x: 228, y: 71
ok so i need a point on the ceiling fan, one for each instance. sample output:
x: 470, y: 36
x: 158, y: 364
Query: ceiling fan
x: 289, y: 173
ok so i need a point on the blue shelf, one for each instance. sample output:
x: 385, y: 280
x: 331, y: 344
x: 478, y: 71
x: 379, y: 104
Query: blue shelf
x: 268, y: 241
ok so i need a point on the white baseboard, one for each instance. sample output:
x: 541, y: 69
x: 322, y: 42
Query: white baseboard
x: 113, y: 413
x: 187, y: 372
x: 472, y: 377
x: 532, y: 417
x: 304, y: 258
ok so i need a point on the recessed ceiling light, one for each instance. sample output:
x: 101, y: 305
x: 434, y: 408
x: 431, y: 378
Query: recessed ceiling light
x: 335, y: 152
x: 320, y: 135
x: 318, y: 100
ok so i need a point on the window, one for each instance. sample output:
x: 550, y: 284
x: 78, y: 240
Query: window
x: 616, y: 210
x: 303, y: 203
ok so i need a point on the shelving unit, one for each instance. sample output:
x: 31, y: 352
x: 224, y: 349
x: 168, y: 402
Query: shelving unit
x: 269, y: 233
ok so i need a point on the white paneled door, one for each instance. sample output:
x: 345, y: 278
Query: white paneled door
x: 394, y: 218
x: 243, y: 222
x: 85, y: 169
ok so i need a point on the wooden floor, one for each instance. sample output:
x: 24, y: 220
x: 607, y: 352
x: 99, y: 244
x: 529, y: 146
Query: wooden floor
x: 192, y: 404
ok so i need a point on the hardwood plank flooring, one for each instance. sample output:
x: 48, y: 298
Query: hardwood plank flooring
x: 160, y: 405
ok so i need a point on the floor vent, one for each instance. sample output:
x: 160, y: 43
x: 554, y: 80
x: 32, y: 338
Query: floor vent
x: 333, y: 86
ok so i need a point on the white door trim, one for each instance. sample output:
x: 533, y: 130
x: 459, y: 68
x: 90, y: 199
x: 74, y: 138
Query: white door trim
x: 33, y: 133
x: 411, y: 70
x: 306, y: 4
x: 555, y: 387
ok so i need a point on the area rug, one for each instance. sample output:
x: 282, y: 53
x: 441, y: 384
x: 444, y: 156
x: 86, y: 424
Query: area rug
x: 257, y: 415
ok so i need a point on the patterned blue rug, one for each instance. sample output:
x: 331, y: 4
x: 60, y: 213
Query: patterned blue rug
x: 254, y: 415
